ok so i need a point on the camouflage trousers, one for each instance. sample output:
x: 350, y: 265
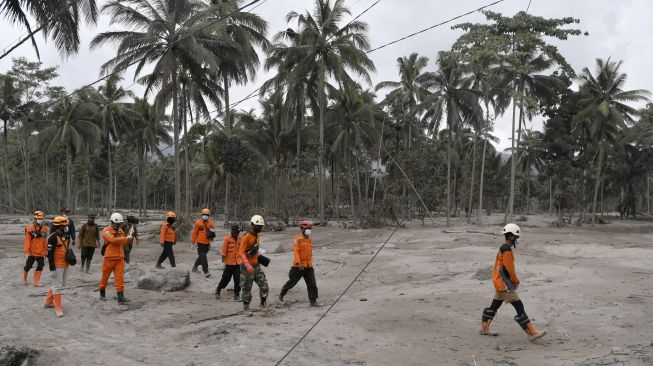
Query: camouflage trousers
x: 246, y: 281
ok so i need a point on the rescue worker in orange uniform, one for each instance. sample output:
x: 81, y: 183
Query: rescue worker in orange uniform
x: 35, y: 247
x: 506, y: 282
x: 167, y: 238
x: 251, y: 268
x: 232, y: 261
x: 58, y: 244
x: 302, y: 265
x: 203, y: 235
x: 115, y: 239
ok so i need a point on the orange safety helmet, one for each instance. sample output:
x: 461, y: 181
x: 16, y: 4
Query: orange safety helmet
x: 305, y: 225
x: 60, y: 221
x: 171, y: 214
x: 39, y: 215
x: 206, y: 211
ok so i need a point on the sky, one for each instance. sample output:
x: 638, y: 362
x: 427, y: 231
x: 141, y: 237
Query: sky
x: 617, y: 29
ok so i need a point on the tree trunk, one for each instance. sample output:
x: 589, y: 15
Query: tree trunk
x: 358, y: 187
x: 69, y: 174
x: 449, y: 178
x: 596, y: 185
x: 480, y: 185
x: 89, y: 192
x: 111, y: 204
x: 321, y: 101
x: 376, y: 174
x: 227, y: 126
x: 513, y: 166
x: 471, y: 184
x: 648, y: 195
x: 5, y: 165
x: 550, y: 197
x: 187, y: 167
x: 175, y: 122
x: 351, y: 195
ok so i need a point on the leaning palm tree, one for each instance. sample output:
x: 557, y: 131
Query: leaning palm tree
x: 450, y: 99
x: 59, y: 19
x: 174, y: 35
x: 407, y: 93
x: 73, y: 127
x: 605, y: 107
x: 324, y: 48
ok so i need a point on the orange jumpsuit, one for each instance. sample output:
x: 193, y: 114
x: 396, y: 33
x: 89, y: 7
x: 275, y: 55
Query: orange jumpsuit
x: 230, y: 250
x: 114, y: 257
x: 505, y: 262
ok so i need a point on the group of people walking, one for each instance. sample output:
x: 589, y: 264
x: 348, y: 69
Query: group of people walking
x: 242, y: 256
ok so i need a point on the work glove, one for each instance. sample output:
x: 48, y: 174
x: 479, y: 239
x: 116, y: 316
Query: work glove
x: 249, y: 268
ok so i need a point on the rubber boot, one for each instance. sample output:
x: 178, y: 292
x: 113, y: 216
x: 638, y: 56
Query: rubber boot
x: 313, y: 302
x: 121, y: 298
x: 282, y: 293
x: 217, y: 293
x: 37, y: 278
x: 103, y: 294
x: 159, y: 266
x: 57, y: 305
x: 246, y: 310
x: 486, y: 320
x: 88, y: 266
x: 24, y: 277
x: 237, y: 297
x: 49, y: 300
x: 533, y: 333
x: 81, y: 267
x: 194, y: 270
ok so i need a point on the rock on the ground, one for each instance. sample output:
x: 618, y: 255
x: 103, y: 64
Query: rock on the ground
x: 273, y: 247
x: 18, y: 356
x: 167, y: 280
x: 362, y: 251
x: 484, y: 273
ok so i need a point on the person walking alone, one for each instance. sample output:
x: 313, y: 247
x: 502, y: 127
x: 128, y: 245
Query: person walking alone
x: 302, y: 266
x: 167, y: 239
x: 232, y: 262
x: 89, y: 238
x: 203, y: 235
x: 506, y: 282
x: 35, y: 247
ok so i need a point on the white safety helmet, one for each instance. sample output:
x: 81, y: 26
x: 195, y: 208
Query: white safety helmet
x: 511, y: 229
x: 116, y: 218
x: 257, y: 220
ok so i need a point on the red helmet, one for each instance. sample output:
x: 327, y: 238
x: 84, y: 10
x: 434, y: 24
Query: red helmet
x: 305, y: 225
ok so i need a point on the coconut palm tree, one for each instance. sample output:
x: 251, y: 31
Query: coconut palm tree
x: 74, y: 127
x: 605, y: 107
x: 324, y: 48
x: 409, y: 91
x: 150, y: 129
x: 59, y: 19
x: 115, y: 117
x: 173, y: 35
x: 451, y: 99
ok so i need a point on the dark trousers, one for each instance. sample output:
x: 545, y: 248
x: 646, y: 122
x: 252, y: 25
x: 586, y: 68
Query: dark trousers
x: 87, y: 254
x: 230, y: 271
x: 30, y: 262
x: 127, y: 250
x: 309, y: 277
x: 167, y: 253
x: 202, y: 251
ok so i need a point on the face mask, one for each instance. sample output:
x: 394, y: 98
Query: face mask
x: 257, y: 229
x: 39, y: 221
x: 171, y: 220
x: 205, y: 217
x: 307, y: 232
x: 516, y: 242
x: 115, y: 225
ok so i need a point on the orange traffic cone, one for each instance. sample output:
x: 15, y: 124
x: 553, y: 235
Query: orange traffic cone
x: 24, y: 277
x: 49, y: 300
x: 57, y: 305
x: 37, y: 278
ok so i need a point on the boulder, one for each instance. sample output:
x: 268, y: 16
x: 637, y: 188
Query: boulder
x: 273, y: 247
x: 18, y: 356
x: 167, y: 280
